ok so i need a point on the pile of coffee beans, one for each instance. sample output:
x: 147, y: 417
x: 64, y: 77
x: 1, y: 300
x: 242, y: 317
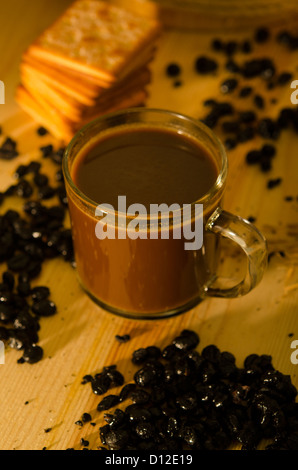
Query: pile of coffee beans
x: 243, y: 81
x: 183, y: 399
x: 27, y: 239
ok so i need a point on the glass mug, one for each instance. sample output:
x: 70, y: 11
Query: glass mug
x: 156, y: 277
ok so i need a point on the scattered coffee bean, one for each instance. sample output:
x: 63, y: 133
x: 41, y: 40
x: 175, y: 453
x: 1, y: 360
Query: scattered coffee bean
x: 84, y: 442
x: 284, y: 78
x: 245, y: 91
x: 247, y: 116
x: 263, y: 67
x: 253, y: 156
x: 205, y: 65
x: 32, y: 354
x: 122, y: 338
x: 44, y: 308
x: 246, y: 47
x: 259, y: 101
x: 108, y: 402
x: 230, y: 127
x: 86, y: 417
x: 229, y: 85
x: 262, y: 35
x: 8, y: 149
x: 232, y: 66
x: 217, y: 45
x: 41, y: 131
x: 231, y: 47
x: 272, y: 183
x: 173, y: 70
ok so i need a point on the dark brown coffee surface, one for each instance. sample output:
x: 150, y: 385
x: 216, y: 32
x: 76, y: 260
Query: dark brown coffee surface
x: 147, y: 165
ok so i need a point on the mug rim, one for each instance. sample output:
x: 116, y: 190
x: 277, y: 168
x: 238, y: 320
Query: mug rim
x: 205, y: 199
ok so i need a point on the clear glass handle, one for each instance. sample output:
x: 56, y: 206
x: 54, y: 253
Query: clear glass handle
x: 252, y: 242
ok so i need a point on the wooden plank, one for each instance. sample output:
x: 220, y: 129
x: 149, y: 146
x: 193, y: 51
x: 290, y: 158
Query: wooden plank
x: 80, y: 338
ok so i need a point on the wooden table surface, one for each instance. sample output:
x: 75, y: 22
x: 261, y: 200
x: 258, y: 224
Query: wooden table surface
x: 80, y: 338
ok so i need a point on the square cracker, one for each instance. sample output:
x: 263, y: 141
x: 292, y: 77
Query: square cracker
x: 96, y: 38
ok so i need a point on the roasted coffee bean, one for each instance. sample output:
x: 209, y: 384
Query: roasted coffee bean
x: 140, y: 397
x: 205, y: 65
x: 46, y: 192
x: 18, y: 339
x: 232, y: 66
x: 173, y: 69
x: 272, y: 183
x: 40, y: 180
x: 268, y: 150
x: 59, y: 176
x: 231, y: 47
x: 263, y: 68
x: 40, y: 293
x: 139, y: 356
x: 147, y: 375
x: 8, y: 149
x: 246, y: 134
x: 122, y: 338
x: 34, y: 167
x: 4, y: 333
x: 61, y: 193
x: 268, y: 129
x: 253, y: 156
x: 145, y: 430
x: 229, y: 85
x: 117, y: 439
x: 44, y: 308
x: 247, y: 116
x: 217, y: 44
x: 18, y: 262
x: 137, y: 413
x: 86, y: 379
x: 46, y: 150
x: 153, y: 352
x: 32, y: 354
x: 259, y: 101
x: 126, y: 391
x: 246, y: 47
x: 187, y: 340
x: 23, y: 189
x: 100, y: 384
x: 86, y: 417
x: 8, y: 279
x: 24, y: 288
x: 84, y: 442
x: 7, y: 312
x: 108, y: 402
x: 41, y: 130
x: 21, y: 171
x: 25, y: 321
x: 115, y: 377
x: 245, y: 91
x: 230, y: 127
x: 284, y: 78
x: 262, y: 35
x: 230, y: 143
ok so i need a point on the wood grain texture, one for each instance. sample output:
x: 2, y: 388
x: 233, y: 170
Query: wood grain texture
x: 80, y: 338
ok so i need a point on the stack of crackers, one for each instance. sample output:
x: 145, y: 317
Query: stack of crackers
x: 93, y: 60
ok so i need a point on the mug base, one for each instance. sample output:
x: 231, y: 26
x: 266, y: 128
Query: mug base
x: 143, y: 315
